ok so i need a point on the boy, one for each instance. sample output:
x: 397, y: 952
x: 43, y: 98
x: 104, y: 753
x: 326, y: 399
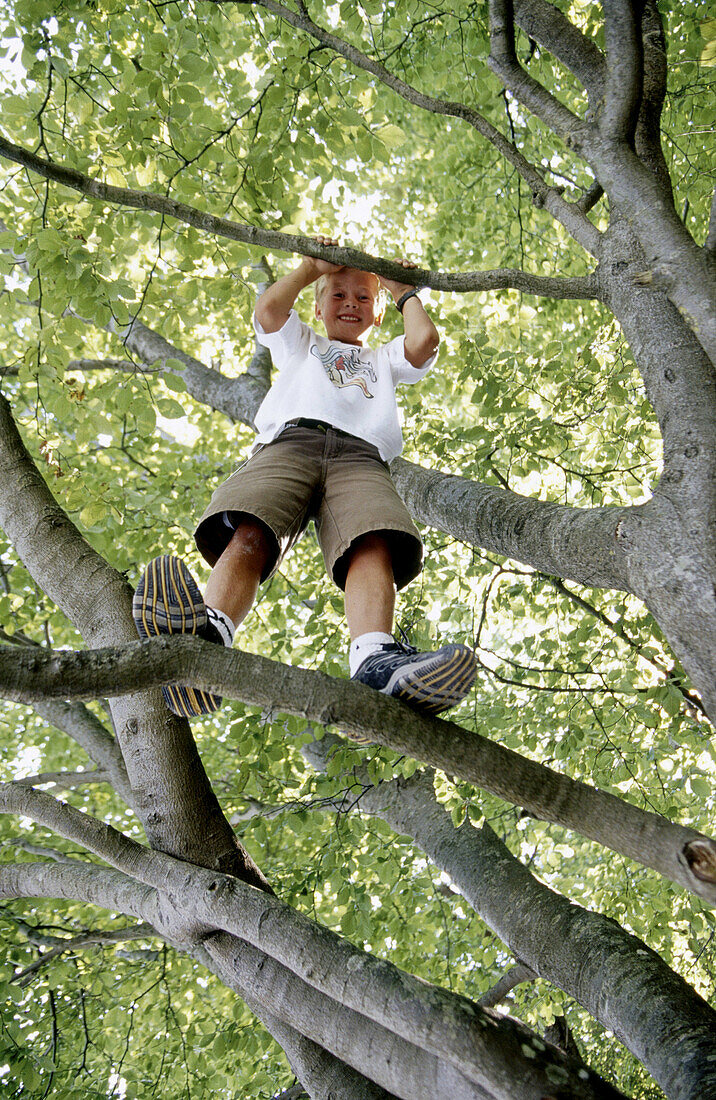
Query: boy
x: 328, y: 428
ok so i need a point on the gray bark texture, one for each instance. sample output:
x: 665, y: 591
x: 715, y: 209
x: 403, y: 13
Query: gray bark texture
x: 417, y: 1039
x: 678, y: 853
x: 613, y: 974
x: 352, y: 1026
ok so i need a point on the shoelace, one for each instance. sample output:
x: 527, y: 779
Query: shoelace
x: 405, y: 645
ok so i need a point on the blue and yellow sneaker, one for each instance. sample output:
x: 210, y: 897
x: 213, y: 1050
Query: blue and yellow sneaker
x: 168, y: 601
x: 428, y: 682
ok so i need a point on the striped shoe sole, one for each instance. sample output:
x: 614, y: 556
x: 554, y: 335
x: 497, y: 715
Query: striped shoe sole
x: 168, y: 601
x: 443, y: 686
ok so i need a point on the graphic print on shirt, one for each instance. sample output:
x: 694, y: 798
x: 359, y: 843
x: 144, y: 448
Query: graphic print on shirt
x: 344, y: 368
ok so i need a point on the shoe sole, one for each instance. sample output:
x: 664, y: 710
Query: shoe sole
x: 168, y: 601
x: 433, y: 690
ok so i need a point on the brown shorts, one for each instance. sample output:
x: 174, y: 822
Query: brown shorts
x: 306, y: 474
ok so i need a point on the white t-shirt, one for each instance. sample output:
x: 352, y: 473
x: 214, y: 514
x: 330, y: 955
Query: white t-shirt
x: 350, y: 387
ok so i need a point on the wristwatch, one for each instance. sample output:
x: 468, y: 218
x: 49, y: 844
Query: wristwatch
x: 412, y: 293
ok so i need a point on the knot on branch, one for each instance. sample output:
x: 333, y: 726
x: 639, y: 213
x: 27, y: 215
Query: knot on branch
x: 700, y: 856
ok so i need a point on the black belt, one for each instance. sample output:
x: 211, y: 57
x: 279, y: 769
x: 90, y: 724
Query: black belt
x: 319, y: 425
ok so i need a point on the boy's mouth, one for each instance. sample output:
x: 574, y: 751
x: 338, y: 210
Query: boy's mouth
x: 348, y: 317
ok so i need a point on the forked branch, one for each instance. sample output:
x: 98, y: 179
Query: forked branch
x: 504, y: 63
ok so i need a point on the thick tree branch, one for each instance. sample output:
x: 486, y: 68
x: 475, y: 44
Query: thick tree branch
x: 171, y: 791
x: 579, y: 543
x: 71, y: 573
x: 681, y: 854
x: 623, y: 86
x: 504, y: 63
x: 115, y: 891
x: 447, y: 1038
x: 644, y: 200
x: 547, y: 25
x: 238, y: 398
x: 624, y: 984
x: 653, y: 92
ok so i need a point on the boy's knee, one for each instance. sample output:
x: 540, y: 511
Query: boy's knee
x: 373, y: 545
x: 253, y: 541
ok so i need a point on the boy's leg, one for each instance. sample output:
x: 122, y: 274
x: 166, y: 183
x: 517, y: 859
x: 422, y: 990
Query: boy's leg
x: 253, y: 518
x: 431, y: 682
x: 168, y: 601
x: 369, y: 564
x: 235, y: 578
x: 370, y: 587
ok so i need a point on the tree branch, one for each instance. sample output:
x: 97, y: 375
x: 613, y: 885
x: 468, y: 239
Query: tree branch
x: 515, y: 976
x: 679, y: 853
x: 548, y: 26
x: 623, y: 86
x: 40, y: 850
x: 88, y: 939
x: 307, y: 246
x: 85, y: 728
x: 64, y: 781
x: 115, y: 891
x: 449, y: 1040
x: 624, y: 984
x: 238, y: 398
x: 172, y: 794
x: 653, y: 92
x: 504, y: 63
x: 590, y: 198
x: 71, y: 573
x: 85, y: 365
x: 579, y: 543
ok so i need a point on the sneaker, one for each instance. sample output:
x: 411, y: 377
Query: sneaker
x: 168, y: 601
x: 428, y: 682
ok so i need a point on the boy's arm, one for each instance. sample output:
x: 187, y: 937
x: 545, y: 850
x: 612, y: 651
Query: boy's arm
x: 421, y: 336
x: 275, y: 304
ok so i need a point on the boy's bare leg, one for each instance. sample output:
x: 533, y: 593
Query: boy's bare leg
x: 235, y: 578
x: 370, y: 588
x: 430, y: 682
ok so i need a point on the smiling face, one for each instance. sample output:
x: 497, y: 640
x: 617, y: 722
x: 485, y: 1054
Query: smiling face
x: 348, y: 304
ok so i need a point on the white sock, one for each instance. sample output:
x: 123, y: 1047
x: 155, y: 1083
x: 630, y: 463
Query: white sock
x: 223, y: 624
x: 365, y: 645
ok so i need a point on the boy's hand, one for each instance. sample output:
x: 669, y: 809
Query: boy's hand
x: 275, y: 304
x: 315, y: 267
x: 394, y: 288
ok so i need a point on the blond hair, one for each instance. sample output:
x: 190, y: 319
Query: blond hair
x: 322, y: 283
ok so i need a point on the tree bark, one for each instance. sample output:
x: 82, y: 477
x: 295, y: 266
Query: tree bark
x: 681, y: 854
x: 171, y: 791
x: 614, y: 975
